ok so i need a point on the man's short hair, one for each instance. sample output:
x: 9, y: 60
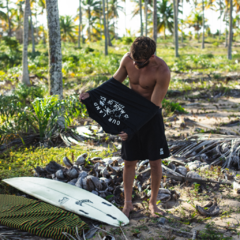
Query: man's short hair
x: 142, y: 48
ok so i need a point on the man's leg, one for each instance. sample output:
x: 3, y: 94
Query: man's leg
x: 156, y: 176
x: 128, y: 177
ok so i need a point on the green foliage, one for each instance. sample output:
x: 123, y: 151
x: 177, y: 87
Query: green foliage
x: 14, y: 119
x: 9, y: 53
x: 178, y: 66
x: 172, y: 107
x: 127, y: 40
x: 46, y: 113
x: 12, y: 43
x: 210, y: 233
x: 24, y: 92
x: 215, y: 44
x: 40, y: 117
x: 88, y: 50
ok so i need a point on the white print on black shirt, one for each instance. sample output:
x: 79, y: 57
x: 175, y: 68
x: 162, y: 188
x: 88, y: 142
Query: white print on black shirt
x: 161, y: 151
x: 111, y: 109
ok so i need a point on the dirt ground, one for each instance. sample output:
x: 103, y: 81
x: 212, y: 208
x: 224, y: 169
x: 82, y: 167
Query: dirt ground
x: 212, y: 113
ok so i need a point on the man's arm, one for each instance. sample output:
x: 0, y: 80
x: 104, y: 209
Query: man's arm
x: 161, y: 87
x: 121, y: 74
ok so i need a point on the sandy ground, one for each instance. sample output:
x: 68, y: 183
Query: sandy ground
x: 212, y: 115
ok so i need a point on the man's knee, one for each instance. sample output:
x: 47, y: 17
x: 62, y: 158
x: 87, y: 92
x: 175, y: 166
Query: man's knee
x: 156, y: 163
x: 129, y: 164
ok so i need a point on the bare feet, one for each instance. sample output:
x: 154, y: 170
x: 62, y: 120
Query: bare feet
x: 154, y: 209
x: 127, y: 209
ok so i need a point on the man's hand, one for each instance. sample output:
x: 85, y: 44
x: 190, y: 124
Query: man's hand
x: 83, y: 96
x: 123, y: 136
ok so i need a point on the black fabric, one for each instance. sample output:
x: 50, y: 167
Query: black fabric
x: 118, y: 108
x: 148, y: 143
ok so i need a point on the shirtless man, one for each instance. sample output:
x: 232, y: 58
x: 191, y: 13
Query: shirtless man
x: 149, y: 76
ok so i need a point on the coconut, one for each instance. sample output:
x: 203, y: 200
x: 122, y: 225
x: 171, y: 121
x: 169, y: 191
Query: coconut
x: 107, y: 161
x: 59, y: 174
x: 182, y: 170
x: 81, y: 159
x: 72, y: 173
x: 67, y: 162
x: 73, y: 181
x: 192, y: 174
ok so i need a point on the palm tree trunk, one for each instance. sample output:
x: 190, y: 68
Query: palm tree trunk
x: 54, y: 48
x: 126, y: 16
x: 89, y: 24
x: 36, y: 31
x: 105, y: 29
x: 230, y: 32
x: 44, y: 39
x: 79, y: 24
x: 226, y: 39
x: 220, y: 3
x: 25, y: 74
x: 32, y: 32
x: 141, y: 23
x: 155, y: 20
x: 108, y: 33
x: 9, y: 22
x: 146, y: 8
x: 182, y: 24
x: 203, y: 24
x: 175, y: 28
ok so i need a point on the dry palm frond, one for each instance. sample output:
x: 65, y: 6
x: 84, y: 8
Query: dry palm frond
x: 217, y: 150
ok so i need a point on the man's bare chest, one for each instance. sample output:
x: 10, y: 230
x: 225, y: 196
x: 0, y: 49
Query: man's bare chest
x: 143, y: 79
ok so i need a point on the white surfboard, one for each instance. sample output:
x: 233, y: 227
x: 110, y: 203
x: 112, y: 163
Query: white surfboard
x: 70, y: 198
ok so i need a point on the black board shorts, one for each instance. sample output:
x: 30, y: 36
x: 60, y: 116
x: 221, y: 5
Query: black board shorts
x: 148, y: 143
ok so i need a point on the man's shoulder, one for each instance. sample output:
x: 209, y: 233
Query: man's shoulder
x: 124, y: 59
x: 162, y: 66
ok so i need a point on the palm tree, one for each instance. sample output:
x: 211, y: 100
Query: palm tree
x: 55, y: 54
x: 9, y: 22
x: 32, y: 32
x: 202, y: 24
x: 42, y: 7
x: 226, y: 20
x: 92, y: 8
x: 80, y: 23
x: 105, y: 29
x: 67, y: 27
x: 175, y: 9
x: 230, y: 31
x: 108, y: 32
x: 207, y: 5
x: 140, y: 9
x: 146, y: 16
x: 165, y: 17
x: 113, y: 9
x: 219, y: 7
x: 195, y: 20
x: 19, y: 14
x: 25, y: 74
x: 155, y: 20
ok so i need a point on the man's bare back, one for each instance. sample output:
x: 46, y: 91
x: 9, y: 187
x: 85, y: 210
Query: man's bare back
x: 151, y: 81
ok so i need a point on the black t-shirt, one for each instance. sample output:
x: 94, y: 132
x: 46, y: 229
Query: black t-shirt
x: 118, y: 108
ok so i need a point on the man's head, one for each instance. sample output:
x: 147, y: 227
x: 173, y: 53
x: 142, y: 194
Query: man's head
x: 142, y: 49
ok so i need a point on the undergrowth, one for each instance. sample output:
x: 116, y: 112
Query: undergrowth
x: 23, y: 161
